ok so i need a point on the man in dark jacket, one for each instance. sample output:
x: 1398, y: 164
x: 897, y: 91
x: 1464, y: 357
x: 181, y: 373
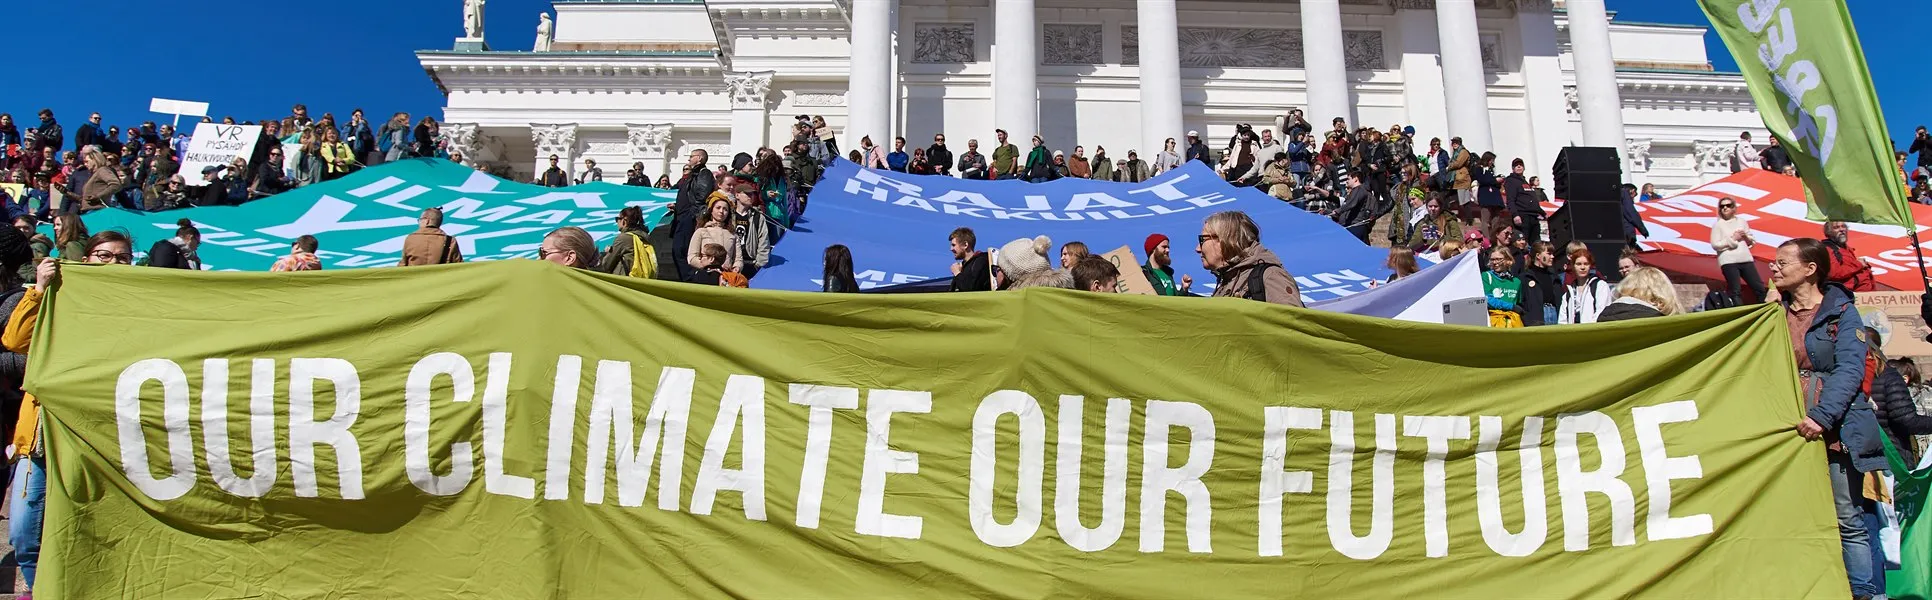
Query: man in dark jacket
x: 972, y: 164
x: 554, y: 176
x: 90, y: 133
x: 1922, y: 144
x: 1633, y: 223
x: 1356, y: 212
x: 1526, y: 213
x: 1773, y: 157
x: 48, y: 134
x: 974, y: 271
x: 1196, y: 150
x: 697, y: 184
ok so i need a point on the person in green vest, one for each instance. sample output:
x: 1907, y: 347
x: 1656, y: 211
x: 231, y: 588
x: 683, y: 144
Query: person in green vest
x: 1160, y: 268
x: 1005, y: 157
x: 1502, y: 288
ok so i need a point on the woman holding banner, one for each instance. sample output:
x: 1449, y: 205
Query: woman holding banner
x: 29, y: 498
x: 1830, y: 343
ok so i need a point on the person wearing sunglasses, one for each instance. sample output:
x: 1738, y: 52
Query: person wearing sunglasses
x: 1732, y: 240
x: 270, y: 179
x: 1230, y: 246
x: 29, y: 496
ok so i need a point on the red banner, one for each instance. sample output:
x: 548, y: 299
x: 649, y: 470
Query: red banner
x: 1774, y: 205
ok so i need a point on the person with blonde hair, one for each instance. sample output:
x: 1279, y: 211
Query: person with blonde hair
x: 1230, y: 246
x: 1644, y: 293
x: 570, y: 247
x: 1402, y: 263
x: 1450, y: 248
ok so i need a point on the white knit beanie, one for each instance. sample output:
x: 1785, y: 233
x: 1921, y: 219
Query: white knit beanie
x: 1022, y: 257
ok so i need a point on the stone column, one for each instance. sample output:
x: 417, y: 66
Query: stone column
x: 1421, y: 71
x: 1016, y: 104
x: 648, y: 143
x: 870, y: 99
x: 1160, y: 75
x: 558, y: 139
x: 1465, y: 85
x: 1549, y: 113
x: 1323, y: 61
x: 1596, y: 74
x: 750, y: 117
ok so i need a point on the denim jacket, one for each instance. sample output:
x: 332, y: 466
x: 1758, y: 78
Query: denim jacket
x: 1843, y: 406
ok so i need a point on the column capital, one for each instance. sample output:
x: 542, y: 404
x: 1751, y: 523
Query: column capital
x: 465, y: 139
x: 1532, y: 6
x: 648, y: 140
x: 748, y: 89
x: 553, y: 138
x: 1414, y: 4
x: 1638, y: 151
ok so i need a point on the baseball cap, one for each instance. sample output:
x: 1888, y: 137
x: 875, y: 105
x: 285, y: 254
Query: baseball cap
x: 1193, y: 133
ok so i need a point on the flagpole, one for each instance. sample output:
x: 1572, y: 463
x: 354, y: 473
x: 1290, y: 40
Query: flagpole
x: 1924, y: 279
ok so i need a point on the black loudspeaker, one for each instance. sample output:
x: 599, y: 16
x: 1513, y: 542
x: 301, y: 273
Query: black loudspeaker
x: 1587, y: 174
x: 1590, y: 181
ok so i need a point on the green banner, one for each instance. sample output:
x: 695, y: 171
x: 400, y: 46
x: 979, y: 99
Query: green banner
x: 1807, y: 73
x: 601, y: 437
x: 361, y: 219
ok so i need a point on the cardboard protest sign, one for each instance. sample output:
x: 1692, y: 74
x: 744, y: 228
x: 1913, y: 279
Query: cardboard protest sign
x: 1132, y: 280
x: 218, y: 144
x: 1908, y: 330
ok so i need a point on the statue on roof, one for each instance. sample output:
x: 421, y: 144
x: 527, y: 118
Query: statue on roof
x: 473, y: 19
x: 543, y: 33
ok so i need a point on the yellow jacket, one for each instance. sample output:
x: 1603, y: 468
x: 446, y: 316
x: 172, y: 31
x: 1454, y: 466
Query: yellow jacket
x: 18, y: 335
x: 337, y: 152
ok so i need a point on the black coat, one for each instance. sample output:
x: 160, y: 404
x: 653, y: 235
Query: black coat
x: 1520, y: 196
x: 1624, y: 311
x: 1541, y: 287
x: 693, y: 189
x: 975, y: 275
x: 1897, y: 414
x: 166, y: 255
x: 1774, y: 159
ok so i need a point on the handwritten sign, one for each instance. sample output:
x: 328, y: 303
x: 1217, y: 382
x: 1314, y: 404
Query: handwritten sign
x: 216, y: 144
x: 1908, y: 330
x: 1132, y: 280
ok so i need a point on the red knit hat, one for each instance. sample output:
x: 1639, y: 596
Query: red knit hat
x: 1152, y: 241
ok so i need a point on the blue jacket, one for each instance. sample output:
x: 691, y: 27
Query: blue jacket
x: 1300, y: 156
x: 1842, y: 406
x: 897, y: 161
x: 1489, y: 190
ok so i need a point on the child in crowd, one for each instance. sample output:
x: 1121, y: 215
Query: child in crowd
x: 710, y: 269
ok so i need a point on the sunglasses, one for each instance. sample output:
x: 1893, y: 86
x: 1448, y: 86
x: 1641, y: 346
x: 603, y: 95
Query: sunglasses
x: 1203, y: 238
x: 1727, y: 205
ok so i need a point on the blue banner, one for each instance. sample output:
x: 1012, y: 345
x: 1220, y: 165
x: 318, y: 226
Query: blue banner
x: 897, y: 226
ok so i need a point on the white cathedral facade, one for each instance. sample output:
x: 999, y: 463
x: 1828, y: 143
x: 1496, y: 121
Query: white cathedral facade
x: 628, y: 81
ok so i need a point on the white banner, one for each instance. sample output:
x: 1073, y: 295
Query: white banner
x: 217, y: 144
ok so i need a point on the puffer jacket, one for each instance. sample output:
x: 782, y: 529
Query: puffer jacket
x: 1278, y: 286
x: 1898, y: 416
x: 1842, y: 407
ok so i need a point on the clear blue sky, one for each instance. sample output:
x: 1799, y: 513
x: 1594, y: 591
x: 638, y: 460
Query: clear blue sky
x: 248, y: 58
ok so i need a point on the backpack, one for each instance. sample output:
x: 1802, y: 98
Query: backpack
x: 643, y: 258
x: 1720, y: 300
x: 1257, y: 289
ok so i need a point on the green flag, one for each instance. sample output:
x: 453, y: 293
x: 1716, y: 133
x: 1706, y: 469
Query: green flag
x: 1808, y: 76
x: 1913, y: 580
x: 517, y: 429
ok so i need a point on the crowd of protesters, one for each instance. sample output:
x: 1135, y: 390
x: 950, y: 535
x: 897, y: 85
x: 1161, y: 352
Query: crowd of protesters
x: 1439, y: 201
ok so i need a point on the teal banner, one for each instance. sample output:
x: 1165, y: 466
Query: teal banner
x: 361, y: 219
